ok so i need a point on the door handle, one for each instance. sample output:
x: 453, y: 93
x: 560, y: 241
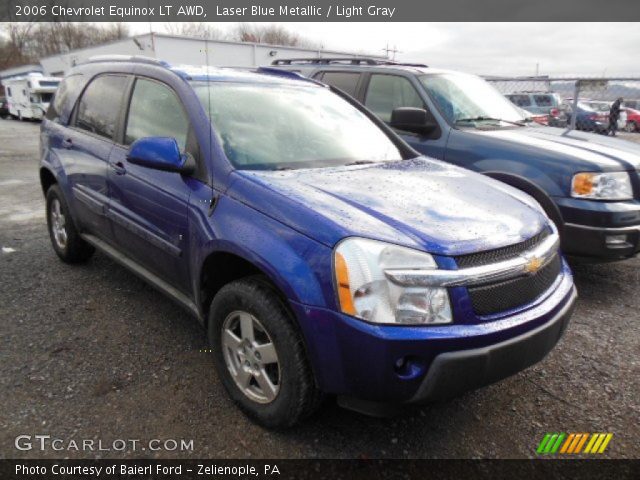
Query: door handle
x: 119, y: 168
x: 67, y: 143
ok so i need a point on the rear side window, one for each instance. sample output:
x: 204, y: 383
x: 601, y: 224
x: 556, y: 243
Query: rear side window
x: 345, y: 81
x: 543, y: 100
x: 68, y: 89
x: 100, y: 105
x: 388, y: 92
x: 156, y: 111
x: 520, y: 100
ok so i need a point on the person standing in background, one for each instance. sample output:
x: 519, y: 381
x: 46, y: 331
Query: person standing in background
x: 614, y: 115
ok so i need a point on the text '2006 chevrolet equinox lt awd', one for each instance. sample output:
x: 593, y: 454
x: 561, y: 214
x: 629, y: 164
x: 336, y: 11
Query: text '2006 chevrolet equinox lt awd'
x: 321, y: 252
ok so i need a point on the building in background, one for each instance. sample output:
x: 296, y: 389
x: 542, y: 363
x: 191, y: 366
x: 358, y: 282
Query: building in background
x: 186, y: 50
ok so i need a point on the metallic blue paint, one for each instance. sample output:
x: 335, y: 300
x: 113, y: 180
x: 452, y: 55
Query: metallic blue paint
x: 161, y: 153
x: 286, y: 225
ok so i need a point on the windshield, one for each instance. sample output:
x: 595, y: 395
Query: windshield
x: 464, y: 98
x: 275, y: 127
x: 598, y: 106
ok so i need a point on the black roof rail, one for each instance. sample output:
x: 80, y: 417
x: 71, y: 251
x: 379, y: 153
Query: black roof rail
x: 342, y: 61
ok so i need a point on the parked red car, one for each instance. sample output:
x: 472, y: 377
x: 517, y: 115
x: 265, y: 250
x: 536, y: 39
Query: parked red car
x: 633, y: 120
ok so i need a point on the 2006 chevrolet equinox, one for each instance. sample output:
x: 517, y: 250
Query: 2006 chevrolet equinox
x: 321, y: 252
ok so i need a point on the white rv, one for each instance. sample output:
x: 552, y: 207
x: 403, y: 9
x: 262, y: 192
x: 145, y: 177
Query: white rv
x: 29, y: 96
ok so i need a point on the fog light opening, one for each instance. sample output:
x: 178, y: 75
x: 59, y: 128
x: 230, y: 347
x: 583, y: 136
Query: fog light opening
x: 409, y: 367
x: 616, y: 240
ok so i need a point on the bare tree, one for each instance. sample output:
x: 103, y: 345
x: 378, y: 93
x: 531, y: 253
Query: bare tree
x: 271, y: 34
x: 195, y: 29
x: 26, y: 42
x: 13, y: 50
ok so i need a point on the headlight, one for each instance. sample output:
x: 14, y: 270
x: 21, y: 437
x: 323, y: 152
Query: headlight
x: 602, y: 186
x: 365, y: 292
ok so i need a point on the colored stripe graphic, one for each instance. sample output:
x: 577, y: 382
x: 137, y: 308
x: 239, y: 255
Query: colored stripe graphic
x: 573, y: 443
x: 583, y: 438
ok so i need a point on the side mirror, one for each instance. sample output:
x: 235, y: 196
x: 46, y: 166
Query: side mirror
x: 411, y: 119
x: 160, y: 153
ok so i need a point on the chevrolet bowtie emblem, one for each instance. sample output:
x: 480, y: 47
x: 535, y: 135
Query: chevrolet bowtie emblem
x: 533, y: 265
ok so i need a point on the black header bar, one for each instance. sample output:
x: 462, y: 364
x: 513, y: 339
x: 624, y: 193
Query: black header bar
x: 317, y: 10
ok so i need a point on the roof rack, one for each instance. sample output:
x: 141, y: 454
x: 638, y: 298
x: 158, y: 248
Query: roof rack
x: 126, y: 58
x: 342, y: 61
x: 287, y: 74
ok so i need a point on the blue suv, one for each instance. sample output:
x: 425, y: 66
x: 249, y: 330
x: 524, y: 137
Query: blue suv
x: 589, y: 185
x: 322, y: 253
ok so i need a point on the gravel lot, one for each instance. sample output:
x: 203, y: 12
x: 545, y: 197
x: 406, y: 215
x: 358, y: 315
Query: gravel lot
x: 90, y: 352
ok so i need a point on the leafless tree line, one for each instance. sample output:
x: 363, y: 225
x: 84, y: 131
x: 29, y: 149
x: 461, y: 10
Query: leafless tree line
x: 242, y: 32
x: 24, y: 43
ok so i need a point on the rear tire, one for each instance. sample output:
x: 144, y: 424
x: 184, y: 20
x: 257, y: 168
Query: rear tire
x: 65, y: 239
x: 276, y: 388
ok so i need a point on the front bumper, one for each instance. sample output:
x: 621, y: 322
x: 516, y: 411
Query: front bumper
x: 590, y: 228
x: 404, y: 364
x: 453, y: 373
x: 601, y: 242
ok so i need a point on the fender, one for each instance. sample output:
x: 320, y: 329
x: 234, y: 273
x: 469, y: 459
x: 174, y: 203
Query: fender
x: 297, y: 265
x: 535, y: 191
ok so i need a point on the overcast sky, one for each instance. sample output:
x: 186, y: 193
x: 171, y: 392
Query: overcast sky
x: 484, y: 48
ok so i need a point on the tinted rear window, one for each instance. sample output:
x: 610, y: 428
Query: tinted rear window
x: 543, y: 100
x: 345, y: 81
x: 68, y: 89
x: 100, y: 104
x: 520, y: 100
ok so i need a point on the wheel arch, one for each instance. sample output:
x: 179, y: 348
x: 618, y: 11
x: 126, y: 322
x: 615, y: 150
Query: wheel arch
x: 534, y: 190
x: 47, y: 178
x: 223, y: 266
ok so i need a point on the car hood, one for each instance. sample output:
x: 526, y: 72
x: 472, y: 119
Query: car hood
x: 420, y: 203
x: 600, y: 152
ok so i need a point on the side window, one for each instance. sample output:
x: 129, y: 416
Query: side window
x: 155, y: 111
x: 345, y: 81
x: 9, y: 91
x: 388, y: 92
x: 100, y: 105
x: 69, y: 86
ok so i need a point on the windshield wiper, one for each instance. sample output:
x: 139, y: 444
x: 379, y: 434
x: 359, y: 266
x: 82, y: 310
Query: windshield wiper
x: 489, y: 119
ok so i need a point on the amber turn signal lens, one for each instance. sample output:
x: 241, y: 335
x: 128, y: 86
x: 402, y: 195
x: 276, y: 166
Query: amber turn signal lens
x: 583, y: 183
x: 344, y: 292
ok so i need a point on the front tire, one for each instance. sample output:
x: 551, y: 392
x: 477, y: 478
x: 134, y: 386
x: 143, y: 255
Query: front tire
x: 65, y: 239
x: 259, y: 354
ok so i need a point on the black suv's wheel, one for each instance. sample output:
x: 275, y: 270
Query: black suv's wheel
x: 66, y: 241
x: 259, y: 354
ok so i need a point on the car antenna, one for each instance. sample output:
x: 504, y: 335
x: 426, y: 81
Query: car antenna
x: 214, y: 195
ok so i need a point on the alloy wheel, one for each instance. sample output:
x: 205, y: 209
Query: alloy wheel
x: 251, y: 357
x: 58, y: 224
